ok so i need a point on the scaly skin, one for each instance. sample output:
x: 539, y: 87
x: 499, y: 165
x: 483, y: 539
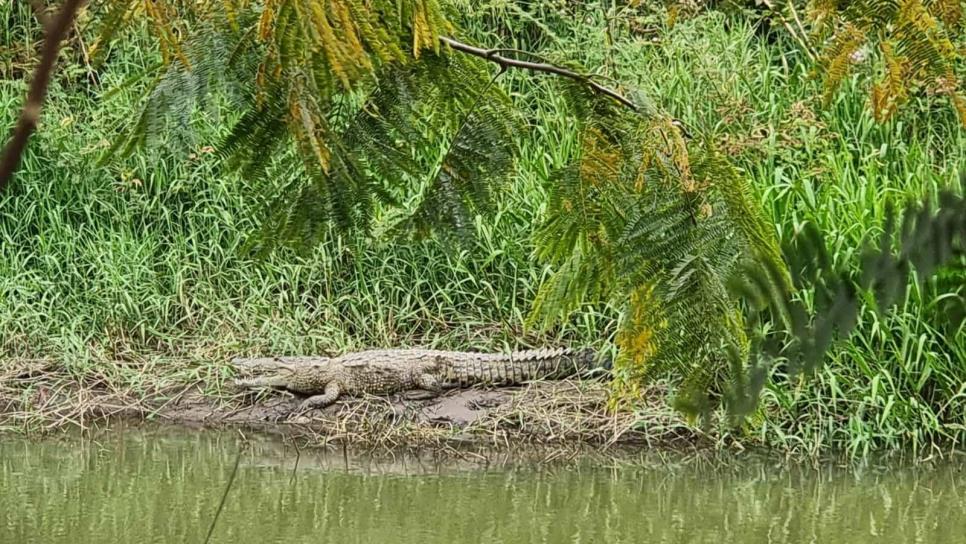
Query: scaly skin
x: 383, y: 372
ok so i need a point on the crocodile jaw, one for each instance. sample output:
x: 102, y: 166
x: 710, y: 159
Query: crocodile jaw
x: 277, y: 380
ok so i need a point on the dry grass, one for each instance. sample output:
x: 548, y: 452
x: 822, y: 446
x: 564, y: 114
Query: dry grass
x: 564, y: 416
x: 40, y: 396
x: 560, y: 417
x: 577, y: 412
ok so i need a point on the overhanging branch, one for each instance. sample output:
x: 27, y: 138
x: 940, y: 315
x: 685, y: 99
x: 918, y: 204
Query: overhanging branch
x: 55, y: 28
x: 493, y: 55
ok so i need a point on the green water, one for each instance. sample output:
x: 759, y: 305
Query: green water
x: 145, y: 487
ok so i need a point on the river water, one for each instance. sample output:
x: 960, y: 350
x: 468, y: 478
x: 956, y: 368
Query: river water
x: 152, y: 486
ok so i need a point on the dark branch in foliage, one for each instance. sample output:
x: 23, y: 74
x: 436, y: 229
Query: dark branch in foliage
x: 493, y: 55
x: 55, y: 30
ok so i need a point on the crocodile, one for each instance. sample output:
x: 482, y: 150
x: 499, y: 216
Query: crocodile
x: 383, y: 372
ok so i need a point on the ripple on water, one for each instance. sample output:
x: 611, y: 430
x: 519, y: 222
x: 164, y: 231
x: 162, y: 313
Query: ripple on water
x: 145, y: 487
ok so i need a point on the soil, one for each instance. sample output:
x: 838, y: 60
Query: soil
x: 457, y: 408
x: 559, y: 413
x: 566, y: 413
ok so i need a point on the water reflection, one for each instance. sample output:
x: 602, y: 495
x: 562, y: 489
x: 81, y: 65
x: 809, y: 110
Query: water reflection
x: 157, y: 487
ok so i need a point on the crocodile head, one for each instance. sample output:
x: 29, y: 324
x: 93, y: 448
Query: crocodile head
x: 305, y: 377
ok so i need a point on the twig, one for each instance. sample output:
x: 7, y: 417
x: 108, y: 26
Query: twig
x: 298, y: 457
x: 803, y: 39
x: 493, y: 55
x: 808, y: 49
x: 54, y: 32
x: 530, y: 54
x: 231, y: 480
x: 91, y: 74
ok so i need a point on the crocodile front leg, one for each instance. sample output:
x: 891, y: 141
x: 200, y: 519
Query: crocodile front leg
x: 428, y: 388
x: 331, y: 394
x: 429, y: 383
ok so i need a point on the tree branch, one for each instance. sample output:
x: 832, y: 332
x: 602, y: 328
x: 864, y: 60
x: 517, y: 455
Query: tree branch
x: 57, y: 28
x: 54, y: 30
x: 493, y: 55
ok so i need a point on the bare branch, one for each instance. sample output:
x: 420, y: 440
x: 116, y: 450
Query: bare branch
x: 221, y: 505
x: 55, y: 30
x: 493, y: 55
x: 802, y: 38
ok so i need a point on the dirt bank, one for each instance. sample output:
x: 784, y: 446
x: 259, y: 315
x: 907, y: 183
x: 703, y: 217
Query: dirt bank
x: 37, y: 397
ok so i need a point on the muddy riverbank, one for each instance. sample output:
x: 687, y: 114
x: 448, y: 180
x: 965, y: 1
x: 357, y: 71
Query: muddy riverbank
x: 37, y: 397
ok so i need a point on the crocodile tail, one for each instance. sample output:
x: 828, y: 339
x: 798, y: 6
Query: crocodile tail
x: 587, y: 362
x: 521, y: 366
x: 562, y: 363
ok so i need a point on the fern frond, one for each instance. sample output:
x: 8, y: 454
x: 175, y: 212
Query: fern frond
x: 735, y: 194
x: 478, y: 161
x: 315, y: 84
x: 950, y: 12
x: 370, y: 158
x: 928, y: 237
x: 959, y: 102
x: 642, y: 220
x: 890, y: 93
x: 644, y: 322
x: 112, y: 20
x: 916, y: 39
x: 837, y: 59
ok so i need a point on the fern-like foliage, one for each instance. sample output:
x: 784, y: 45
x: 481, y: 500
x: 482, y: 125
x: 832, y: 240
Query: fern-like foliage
x: 336, y: 97
x: 356, y: 105
x: 916, y: 42
x: 478, y: 131
x: 930, y: 236
x: 640, y: 220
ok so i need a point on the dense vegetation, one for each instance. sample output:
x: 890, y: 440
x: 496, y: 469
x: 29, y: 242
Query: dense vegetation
x: 139, y: 259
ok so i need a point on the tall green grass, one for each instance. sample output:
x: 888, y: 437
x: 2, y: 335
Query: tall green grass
x: 899, y: 380
x: 140, y: 261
